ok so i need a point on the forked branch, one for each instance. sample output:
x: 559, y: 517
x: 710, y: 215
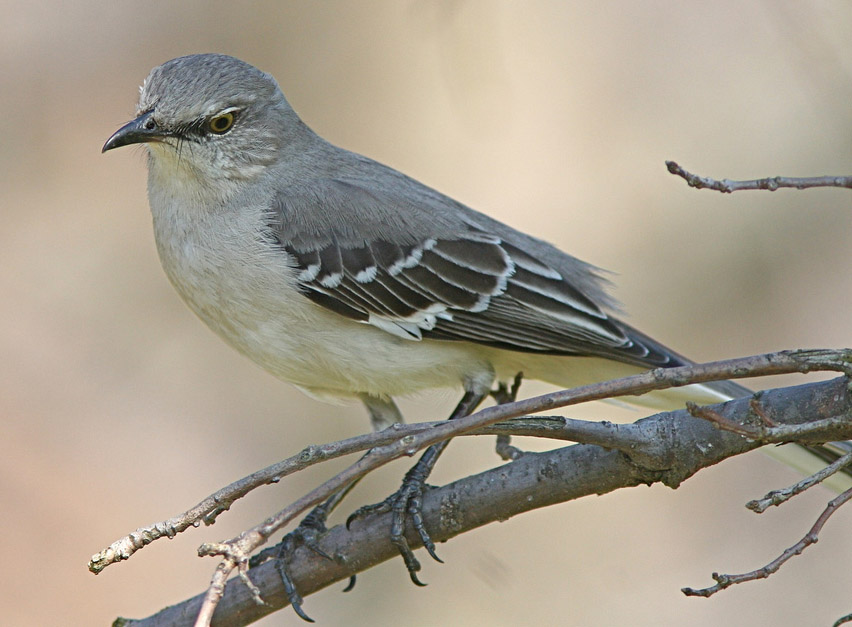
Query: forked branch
x: 666, y: 448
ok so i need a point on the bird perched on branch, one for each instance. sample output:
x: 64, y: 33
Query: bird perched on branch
x: 349, y: 279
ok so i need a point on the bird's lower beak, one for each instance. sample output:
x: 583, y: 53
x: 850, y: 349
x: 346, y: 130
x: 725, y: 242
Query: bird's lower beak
x: 141, y: 130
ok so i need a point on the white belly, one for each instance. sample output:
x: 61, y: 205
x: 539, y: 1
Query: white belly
x: 250, y: 299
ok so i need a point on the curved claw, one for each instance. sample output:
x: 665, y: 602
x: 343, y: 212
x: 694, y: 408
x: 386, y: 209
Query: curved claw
x: 290, y: 590
x: 431, y: 550
x: 412, y: 564
x: 306, y: 534
x: 301, y: 613
x: 407, y: 501
x: 415, y: 511
x: 350, y: 585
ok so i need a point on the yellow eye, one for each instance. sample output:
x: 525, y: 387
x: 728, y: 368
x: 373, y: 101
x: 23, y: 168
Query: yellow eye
x: 221, y: 123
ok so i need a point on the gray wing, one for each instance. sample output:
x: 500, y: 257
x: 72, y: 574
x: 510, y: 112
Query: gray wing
x: 426, y: 267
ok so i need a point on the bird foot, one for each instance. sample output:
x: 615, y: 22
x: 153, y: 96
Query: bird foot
x: 405, y: 502
x: 307, y: 534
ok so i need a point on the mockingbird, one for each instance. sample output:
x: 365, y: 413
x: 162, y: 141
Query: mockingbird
x: 349, y: 279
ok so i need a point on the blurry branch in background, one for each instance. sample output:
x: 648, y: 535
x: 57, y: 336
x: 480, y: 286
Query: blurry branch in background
x: 727, y: 186
x: 666, y: 448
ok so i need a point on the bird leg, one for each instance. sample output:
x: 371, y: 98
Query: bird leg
x: 503, y: 395
x: 307, y: 534
x: 383, y: 414
x: 408, y: 499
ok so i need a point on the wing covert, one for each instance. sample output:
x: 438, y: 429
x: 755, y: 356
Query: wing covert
x: 420, y: 276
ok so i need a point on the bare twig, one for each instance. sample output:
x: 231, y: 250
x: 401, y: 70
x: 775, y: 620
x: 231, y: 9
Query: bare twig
x: 207, y: 510
x: 762, y: 433
x: 777, y: 497
x: 216, y: 590
x: 605, y: 433
x: 235, y: 552
x: 714, y: 417
x: 757, y: 408
x: 727, y: 186
x: 811, y: 537
x: 551, y: 427
x: 675, y: 447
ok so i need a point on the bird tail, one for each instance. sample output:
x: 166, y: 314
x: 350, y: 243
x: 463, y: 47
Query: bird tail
x: 805, y: 459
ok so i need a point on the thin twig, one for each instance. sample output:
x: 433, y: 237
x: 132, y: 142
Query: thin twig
x: 207, y: 510
x: 762, y: 433
x: 551, y: 427
x: 777, y: 497
x: 676, y: 447
x: 760, y: 412
x: 215, y: 591
x: 718, y: 420
x: 811, y: 537
x: 726, y: 186
x: 238, y: 549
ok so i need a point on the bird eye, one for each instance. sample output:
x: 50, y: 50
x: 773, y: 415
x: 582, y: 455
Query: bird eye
x: 221, y: 123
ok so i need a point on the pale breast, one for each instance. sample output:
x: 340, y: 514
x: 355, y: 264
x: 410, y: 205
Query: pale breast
x: 244, y: 288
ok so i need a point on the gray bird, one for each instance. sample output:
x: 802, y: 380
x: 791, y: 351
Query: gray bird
x: 349, y: 279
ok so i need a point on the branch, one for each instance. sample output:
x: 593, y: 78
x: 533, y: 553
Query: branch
x: 811, y: 537
x: 726, y: 186
x: 764, y: 433
x: 209, y: 509
x: 416, y: 437
x: 675, y: 446
x: 777, y: 497
x: 206, y: 512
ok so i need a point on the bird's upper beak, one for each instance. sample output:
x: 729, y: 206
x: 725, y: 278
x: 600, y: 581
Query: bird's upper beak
x: 141, y: 130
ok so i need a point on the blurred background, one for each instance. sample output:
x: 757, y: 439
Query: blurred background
x: 119, y: 408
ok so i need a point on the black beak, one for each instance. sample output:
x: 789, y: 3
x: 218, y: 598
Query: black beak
x: 141, y: 130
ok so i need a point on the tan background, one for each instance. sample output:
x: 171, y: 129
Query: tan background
x: 119, y: 408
